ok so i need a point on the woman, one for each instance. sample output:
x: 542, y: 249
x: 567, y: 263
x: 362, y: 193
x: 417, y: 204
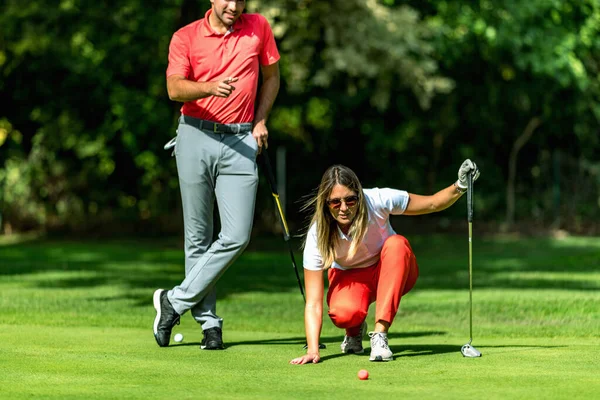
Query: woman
x: 350, y: 236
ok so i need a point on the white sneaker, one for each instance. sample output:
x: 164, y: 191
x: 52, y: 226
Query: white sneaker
x: 353, y: 344
x: 380, y: 350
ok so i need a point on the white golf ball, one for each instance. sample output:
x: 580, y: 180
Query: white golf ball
x: 178, y: 338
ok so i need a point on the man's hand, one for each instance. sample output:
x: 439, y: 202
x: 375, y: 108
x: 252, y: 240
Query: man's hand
x: 261, y: 134
x: 222, y: 88
x: 307, y: 358
x: 465, y: 169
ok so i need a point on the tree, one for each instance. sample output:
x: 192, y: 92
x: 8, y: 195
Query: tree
x: 525, y: 76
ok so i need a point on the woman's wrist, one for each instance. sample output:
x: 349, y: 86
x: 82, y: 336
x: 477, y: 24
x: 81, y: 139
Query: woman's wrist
x: 458, y: 189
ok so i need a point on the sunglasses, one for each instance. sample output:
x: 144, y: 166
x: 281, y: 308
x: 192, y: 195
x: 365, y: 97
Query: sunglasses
x: 337, y: 203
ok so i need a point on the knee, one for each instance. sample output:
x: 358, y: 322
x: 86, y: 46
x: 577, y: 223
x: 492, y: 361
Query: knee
x: 197, y: 244
x: 242, y: 241
x: 397, y: 243
x: 344, y: 317
x: 237, y: 242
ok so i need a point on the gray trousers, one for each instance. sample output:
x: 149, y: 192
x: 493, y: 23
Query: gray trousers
x: 212, y: 166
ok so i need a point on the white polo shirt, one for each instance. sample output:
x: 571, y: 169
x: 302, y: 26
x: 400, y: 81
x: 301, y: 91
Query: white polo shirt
x: 381, y: 203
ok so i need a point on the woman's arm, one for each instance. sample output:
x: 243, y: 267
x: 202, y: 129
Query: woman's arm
x: 313, y: 316
x: 443, y: 199
x: 418, y: 204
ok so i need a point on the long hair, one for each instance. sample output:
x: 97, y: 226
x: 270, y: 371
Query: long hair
x: 327, y: 233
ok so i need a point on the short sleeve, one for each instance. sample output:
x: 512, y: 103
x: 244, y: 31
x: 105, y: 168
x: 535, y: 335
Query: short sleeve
x: 179, y: 61
x: 312, y: 259
x: 269, y: 54
x: 393, y: 201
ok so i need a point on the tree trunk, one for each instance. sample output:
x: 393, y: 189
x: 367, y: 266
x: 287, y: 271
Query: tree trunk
x: 437, y: 145
x: 512, y: 168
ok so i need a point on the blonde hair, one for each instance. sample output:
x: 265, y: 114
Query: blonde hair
x: 327, y: 235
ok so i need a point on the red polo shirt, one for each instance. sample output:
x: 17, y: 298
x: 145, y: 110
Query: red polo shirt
x: 200, y: 54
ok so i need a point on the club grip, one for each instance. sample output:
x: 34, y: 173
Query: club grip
x: 270, y: 176
x: 470, y: 197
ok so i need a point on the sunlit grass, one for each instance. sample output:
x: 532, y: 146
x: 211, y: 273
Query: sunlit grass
x: 76, y: 323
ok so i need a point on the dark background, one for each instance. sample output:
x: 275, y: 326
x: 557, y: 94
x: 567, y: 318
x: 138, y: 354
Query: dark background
x: 400, y: 91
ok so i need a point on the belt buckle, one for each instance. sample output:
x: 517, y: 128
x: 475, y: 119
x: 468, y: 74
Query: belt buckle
x: 215, y: 127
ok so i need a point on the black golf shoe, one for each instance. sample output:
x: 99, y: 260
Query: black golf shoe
x: 213, y: 339
x: 166, y: 318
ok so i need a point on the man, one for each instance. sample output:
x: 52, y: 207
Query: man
x: 213, y: 69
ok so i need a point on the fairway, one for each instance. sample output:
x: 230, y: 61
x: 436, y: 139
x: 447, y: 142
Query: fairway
x: 76, y: 322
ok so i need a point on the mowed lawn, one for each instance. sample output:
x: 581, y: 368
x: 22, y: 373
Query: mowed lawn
x: 76, y: 322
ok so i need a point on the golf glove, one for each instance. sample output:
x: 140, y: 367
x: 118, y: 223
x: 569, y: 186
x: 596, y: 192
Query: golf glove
x: 466, y: 168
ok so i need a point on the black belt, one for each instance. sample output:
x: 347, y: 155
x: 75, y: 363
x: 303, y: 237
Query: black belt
x: 216, y: 127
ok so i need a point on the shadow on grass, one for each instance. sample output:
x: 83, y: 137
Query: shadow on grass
x: 531, y: 263
x: 328, y: 340
x: 400, y: 351
x: 514, y: 263
x: 333, y: 342
x: 141, y: 265
x: 509, y: 348
x: 300, y: 341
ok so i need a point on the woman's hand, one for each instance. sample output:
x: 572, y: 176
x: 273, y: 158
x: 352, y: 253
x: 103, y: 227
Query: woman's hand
x: 313, y: 316
x: 307, y: 358
x: 467, y: 167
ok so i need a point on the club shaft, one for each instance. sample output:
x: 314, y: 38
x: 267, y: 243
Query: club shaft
x: 468, y: 350
x: 470, y: 282
x: 296, y: 271
x: 470, y: 220
x: 286, y: 231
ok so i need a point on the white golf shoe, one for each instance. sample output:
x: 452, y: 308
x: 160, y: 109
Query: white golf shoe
x: 380, y: 351
x: 353, y: 344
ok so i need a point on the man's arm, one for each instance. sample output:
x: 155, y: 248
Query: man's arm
x: 181, y: 89
x: 268, y: 92
x: 266, y: 98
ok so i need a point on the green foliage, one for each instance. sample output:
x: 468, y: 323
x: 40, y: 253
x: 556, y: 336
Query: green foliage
x: 88, y: 86
x: 401, y: 91
x: 367, y: 44
x: 514, y: 61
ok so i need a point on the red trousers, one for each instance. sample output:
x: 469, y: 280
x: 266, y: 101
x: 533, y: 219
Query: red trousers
x: 352, y: 291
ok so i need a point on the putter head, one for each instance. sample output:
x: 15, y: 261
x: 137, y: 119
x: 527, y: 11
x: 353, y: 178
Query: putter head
x: 469, y: 351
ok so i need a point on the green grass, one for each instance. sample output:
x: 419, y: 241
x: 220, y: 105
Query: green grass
x: 76, y: 317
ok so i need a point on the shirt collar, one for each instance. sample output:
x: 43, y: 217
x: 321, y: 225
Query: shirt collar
x: 343, y: 236
x: 207, y: 30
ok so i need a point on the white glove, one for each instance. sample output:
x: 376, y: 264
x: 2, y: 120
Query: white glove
x: 465, y: 169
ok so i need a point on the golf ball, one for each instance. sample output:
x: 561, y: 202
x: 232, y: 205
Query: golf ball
x: 178, y: 338
x: 363, y: 374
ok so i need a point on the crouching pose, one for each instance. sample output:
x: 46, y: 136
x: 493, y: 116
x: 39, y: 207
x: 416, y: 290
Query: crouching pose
x: 351, y: 238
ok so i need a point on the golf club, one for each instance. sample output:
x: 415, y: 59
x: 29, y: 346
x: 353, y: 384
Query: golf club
x: 467, y: 350
x: 286, y: 231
